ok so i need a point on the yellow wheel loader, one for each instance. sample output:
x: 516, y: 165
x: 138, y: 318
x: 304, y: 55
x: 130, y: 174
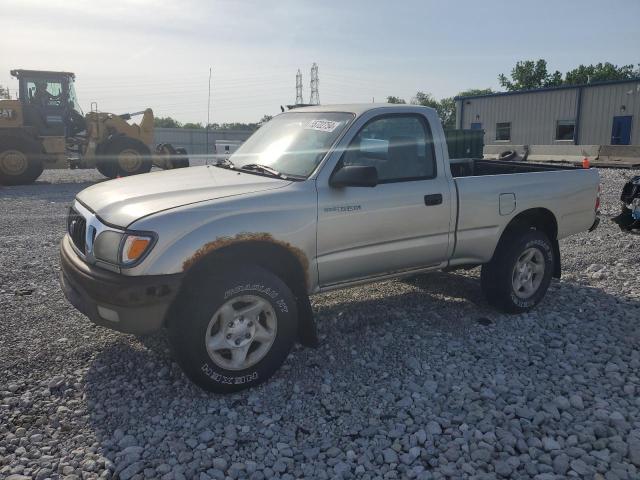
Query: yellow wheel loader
x: 46, y: 128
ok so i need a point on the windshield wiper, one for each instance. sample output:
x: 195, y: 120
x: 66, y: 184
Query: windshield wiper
x: 256, y: 167
x: 224, y: 163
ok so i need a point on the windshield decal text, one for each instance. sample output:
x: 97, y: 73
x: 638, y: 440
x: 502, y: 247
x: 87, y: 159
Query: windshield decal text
x: 322, y: 125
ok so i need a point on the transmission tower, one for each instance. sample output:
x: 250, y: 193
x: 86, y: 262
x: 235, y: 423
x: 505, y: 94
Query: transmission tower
x: 299, y: 100
x: 315, y: 95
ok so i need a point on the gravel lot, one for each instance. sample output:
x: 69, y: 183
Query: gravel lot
x: 413, y: 379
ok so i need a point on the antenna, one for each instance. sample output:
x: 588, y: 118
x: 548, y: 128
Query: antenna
x: 299, y: 100
x: 206, y: 148
x: 315, y: 95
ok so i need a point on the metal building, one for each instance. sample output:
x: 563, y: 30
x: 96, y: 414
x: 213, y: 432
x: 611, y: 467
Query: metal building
x: 606, y: 113
x: 196, y: 141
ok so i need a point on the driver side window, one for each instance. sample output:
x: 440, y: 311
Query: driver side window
x: 399, y: 146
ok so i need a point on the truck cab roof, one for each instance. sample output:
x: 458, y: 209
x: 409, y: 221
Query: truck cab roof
x: 360, y: 108
x: 41, y: 73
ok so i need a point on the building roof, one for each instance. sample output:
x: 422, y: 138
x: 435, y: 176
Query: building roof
x: 548, y: 89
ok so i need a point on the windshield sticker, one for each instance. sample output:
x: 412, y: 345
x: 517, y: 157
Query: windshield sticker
x: 322, y: 125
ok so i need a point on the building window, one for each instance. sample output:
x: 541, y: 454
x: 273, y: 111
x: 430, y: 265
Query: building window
x: 565, y: 129
x: 476, y: 126
x: 503, y: 131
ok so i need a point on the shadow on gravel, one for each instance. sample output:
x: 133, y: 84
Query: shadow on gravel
x: 135, y: 389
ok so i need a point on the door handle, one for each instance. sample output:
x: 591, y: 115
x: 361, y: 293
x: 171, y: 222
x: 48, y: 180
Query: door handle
x: 434, y: 199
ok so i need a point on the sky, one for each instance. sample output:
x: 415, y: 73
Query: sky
x: 132, y: 54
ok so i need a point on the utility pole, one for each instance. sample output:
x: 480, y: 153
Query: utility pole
x: 299, y: 100
x: 315, y: 95
x: 206, y: 158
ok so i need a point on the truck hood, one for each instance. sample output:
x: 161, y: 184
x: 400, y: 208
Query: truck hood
x: 122, y: 201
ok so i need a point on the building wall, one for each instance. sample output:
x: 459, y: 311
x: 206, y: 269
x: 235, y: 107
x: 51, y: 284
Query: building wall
x: 195, y: 140
x: 534, y: 115
x: 601, y: 104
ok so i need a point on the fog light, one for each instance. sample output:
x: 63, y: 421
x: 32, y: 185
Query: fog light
x: 108, y: 314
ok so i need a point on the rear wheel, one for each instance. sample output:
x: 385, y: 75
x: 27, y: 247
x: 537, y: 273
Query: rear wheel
x: 124, y: 156
x: 518, y: 276
x: 20, y: 161
x: 233, y: 331
x: 181, y: 160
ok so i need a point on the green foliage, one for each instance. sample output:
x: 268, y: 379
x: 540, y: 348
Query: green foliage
x: 529, y: 74
x: 600, y: 72
x: 4, y: 93
x: 197, y: 126
x: 166, y: 122
x: 447, y: 111
x: 445, y: 107
x: 474, y: 92
x: 424, y: 99
x: 397, y: 100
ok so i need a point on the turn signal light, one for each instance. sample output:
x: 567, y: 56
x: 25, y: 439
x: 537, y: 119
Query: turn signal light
x: 134, y: 247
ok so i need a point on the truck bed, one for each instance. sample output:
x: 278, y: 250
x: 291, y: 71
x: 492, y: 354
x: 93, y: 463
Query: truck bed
x: 474, y: 167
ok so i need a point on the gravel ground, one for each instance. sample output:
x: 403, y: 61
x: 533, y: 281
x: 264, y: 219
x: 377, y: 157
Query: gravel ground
x: 413, y: 379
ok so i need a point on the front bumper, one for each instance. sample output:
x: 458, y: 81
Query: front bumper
x: 128, y: 304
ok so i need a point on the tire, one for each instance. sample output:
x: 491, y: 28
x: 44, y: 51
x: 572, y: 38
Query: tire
x: 507, y: 155
x: 208, y: 314
x: 499, y: 278
x: 181, y: 160
x: 124, y: 156
x: 20, y: 160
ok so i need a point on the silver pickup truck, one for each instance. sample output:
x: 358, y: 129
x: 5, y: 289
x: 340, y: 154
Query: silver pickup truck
x: 225, y: 256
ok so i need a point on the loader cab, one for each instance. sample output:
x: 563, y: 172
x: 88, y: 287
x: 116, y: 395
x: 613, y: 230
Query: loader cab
x: 49, y: 102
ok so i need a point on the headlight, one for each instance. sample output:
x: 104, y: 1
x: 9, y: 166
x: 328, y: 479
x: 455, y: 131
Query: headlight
x: 122, y: 249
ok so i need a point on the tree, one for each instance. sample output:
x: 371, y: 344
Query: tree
x: 4, y: 93
x: 529, y: 74
x: 600, y: 72
x: 446, y: 107
x: 166, y: 122
x: 474, y: 92
x: 424, y: 99
x: 393, y: 99
x: 265, y: 118
x: 197, y: 126
x: 447, y: 111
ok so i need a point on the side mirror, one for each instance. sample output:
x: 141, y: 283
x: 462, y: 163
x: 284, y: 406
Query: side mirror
x: 354, y: 176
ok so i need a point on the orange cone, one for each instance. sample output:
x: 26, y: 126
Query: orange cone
x: 586, y: 163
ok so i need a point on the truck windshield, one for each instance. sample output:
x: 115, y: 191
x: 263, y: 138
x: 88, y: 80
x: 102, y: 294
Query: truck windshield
x: 293, y: 143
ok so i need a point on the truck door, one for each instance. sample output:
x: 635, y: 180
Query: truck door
x: 403, y: 222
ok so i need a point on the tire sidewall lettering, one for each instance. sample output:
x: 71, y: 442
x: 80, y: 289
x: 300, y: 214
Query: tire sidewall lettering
x: 280, y: 304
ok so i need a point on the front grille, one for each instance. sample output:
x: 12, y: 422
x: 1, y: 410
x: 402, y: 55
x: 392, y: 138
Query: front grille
x: 77, y: 226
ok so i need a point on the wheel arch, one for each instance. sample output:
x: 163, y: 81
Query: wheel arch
x: 279, y: 258
x: 541, y: 219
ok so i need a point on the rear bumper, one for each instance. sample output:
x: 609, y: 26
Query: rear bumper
x: 135, y: 305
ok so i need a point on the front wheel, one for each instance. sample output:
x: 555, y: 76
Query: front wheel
x: 20, y: 160
x: 124, y: 156
x: 519, y: 274
x: 231, y: 332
